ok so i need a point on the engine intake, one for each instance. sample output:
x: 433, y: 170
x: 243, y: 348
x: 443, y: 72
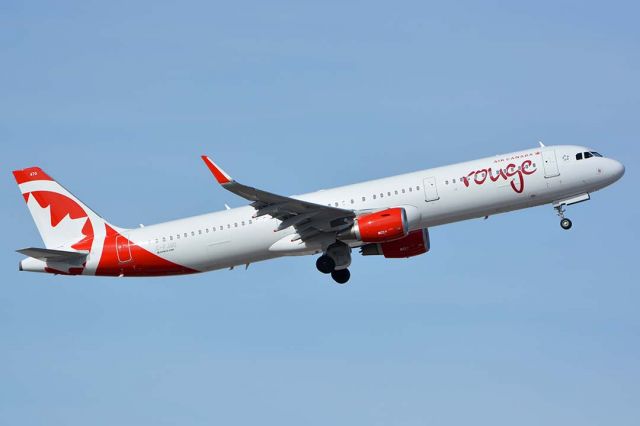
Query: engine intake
x: 415, y: 243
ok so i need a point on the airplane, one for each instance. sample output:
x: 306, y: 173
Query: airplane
x: 387, y: 217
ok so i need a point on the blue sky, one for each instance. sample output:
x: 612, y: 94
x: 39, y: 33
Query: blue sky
x: 510, y: 320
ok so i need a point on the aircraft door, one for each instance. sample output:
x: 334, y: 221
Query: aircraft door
x: 123, y: 250
x: 430, y: 189
x: 550, y: 163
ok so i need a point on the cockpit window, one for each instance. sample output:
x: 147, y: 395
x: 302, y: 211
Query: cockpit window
x: 585, y: 155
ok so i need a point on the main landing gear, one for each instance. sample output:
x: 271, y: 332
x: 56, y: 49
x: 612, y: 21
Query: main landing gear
x: 565, y: 223
x: 335, y: 261
x: 325, y: 264
x: 341, y: 276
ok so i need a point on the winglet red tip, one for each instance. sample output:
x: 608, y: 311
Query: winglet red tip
x: 218, y: 173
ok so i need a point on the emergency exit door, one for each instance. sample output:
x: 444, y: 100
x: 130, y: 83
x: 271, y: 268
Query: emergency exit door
x: 550, y: 163
x: 123, y: 249
x: 430, y: 189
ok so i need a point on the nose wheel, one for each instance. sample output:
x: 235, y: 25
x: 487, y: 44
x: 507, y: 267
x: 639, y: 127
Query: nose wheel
x: 565, y: 223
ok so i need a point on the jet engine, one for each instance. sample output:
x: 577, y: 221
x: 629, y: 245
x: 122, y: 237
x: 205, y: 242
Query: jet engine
x: 415, y: 243
x: 385, y: 225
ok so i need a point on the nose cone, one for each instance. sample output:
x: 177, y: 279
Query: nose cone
x: 617, y: 170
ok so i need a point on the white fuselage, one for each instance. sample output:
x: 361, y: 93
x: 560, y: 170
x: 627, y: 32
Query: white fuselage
x: 431, y: 197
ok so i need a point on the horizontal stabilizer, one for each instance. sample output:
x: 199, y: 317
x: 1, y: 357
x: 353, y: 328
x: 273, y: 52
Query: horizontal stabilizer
x: 53, y: 255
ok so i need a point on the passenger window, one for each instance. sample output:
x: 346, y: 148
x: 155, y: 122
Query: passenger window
x: 243, y: 223
x: 250, y: 222
x: 395, y: 192
x: 193, y: 234
x: 164, y: 239
x: 352, y: 201
x: 417, y: 188
x: 171, y: 237
x: 364, y: 198
x: 207, y: 230
x: 410, y: 189
x: 336, y: 204
x: 374, y: 196
x: 403, y: 190
x: 185, y: 235
x: 381, y: 195
x: 389, y: 193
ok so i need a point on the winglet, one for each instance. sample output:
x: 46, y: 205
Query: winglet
x: 218, y: 173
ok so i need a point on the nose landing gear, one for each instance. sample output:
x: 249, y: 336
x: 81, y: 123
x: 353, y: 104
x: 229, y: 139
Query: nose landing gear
x: 565, y: 223
x: 559, y: 207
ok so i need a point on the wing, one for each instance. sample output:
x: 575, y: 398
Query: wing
x: 309, y: 219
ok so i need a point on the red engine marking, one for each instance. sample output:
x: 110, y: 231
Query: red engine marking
x: 385, y: 225
x: 415, y: 243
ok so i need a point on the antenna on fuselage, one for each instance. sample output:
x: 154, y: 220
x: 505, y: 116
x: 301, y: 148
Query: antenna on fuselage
x: 541, y: 144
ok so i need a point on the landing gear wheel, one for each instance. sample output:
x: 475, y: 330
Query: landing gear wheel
x: 565, y: 223
x: 341, y: 276
x: 325, y: 264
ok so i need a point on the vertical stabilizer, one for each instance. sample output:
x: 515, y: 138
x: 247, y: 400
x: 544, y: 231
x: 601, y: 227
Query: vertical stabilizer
x: 64, y: 222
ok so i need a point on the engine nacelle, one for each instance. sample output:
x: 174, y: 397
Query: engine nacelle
x: 385, y: 225
x: 415, y: 243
